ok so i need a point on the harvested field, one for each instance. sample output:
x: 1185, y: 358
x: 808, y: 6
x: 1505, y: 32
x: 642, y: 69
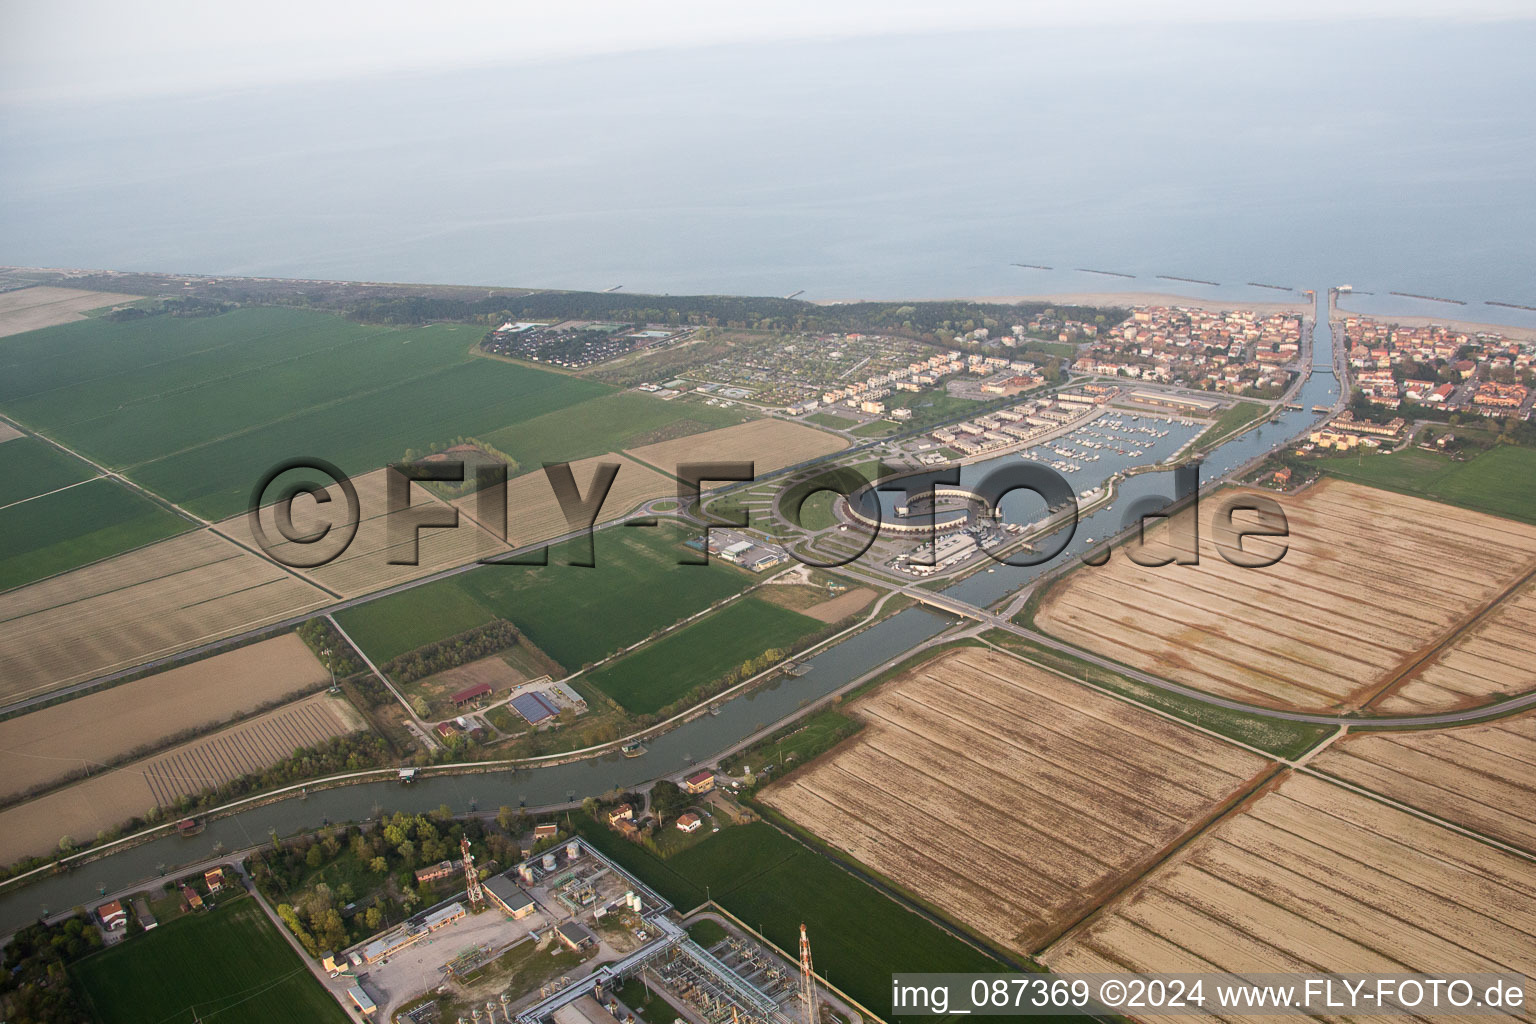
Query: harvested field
x: 1011, y: 799
x: 1496, y: 657
x: 28, y: 309
x: 842, y: 606
x: 533, y: 513
x: 99, y: 728
x: 8, y: 432
x: 769, y: 444
x: 1356, y: 602
x: 106, y: 800
x: 1482, y: 777
x: 1313, y: 878
x: 364, y: 566
x: 145, y: 604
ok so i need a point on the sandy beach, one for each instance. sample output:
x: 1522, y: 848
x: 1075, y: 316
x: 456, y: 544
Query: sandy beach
x: 1295, y: 305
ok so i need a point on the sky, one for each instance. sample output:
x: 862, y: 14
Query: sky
x: 70, y: 50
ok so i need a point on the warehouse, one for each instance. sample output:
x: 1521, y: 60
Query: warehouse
x: 503, y: 892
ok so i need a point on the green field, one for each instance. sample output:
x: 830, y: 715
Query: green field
x: 699, y: 653
x: 390, y: 626
x: 29, y: 467
x: 228, y: 965
x: 71, y: 528
x: 197, y: 409
x: 930, y: 407
x: 774, y: 883
x: 1501, y: 480
x: 796, y: 744
x: 609, y: 423
x: 827, y: 419
x: 575, y: 615
x: 1232, y: 420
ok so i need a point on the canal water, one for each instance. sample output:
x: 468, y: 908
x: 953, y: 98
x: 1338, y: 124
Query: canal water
x: 698, y: 740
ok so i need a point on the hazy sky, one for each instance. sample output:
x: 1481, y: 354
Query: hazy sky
x: 69, y: 49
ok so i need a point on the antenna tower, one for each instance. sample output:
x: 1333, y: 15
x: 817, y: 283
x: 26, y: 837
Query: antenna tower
x: 808, y: 981
x: 471, y: 876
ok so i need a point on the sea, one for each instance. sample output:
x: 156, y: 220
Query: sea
x: 1388, y: 155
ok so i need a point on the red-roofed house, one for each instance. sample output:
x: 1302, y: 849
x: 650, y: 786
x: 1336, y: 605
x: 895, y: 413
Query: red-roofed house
x: 689, y: 822
x: 112, y: 915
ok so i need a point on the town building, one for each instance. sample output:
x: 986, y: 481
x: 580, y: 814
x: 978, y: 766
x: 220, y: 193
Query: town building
x: 699, y: 782
x: 436, y: 872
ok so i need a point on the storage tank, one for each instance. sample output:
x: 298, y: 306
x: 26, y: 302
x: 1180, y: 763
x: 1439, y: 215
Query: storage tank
x: 549, y: 862
x: 572, y: 850
x: 525, y: 872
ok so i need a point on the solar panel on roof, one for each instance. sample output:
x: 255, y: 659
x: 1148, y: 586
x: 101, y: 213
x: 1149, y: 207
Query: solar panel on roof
x: 534, y: 707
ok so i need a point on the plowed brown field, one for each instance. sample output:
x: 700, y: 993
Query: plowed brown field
x: 57, y: 741
x: 1496, y: 657
x: 1371, y: 581
x: 364, y: 566
x: 106, y: 800
x: 1482, y: 777
x: 138, y: 606
x: 1314, y: 878
x: 1010, y: 798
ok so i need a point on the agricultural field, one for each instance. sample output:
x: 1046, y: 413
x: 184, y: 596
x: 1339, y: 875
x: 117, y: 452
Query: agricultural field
x: 1493, y: 658
x: 534, y: 514
x: 1313, y: 878
x: 1370, y: 582
x: 608, y: 423
x: 229, y: 965
x: 365, y: 564
x: 54, y: 743
x: 103, y: 801
x: 769, y: 444
x: 30, y: 309
x: 29, y: 467
x: 1011, y: 799
x: 196, y: 409
x: 53, y: 533
x: 1500, y: 481
x: 390, y: 626
x: 145, y: 604
x: 1481, y: 777
x: 575, y: 615
x: 667, y: 669
x: 774, y: 883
